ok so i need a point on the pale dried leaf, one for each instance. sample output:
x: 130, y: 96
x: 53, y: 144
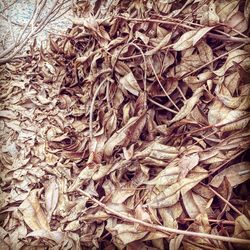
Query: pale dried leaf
x: 235, y: 174
x: 32, y: 212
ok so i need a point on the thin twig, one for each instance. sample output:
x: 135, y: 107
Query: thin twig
x: 226, y: 222
x: 158, y: 80
x: 150, y: 20
x: 162, y: 106
x: 91, y: 111
x: 215, y: 59
x: 226, y: 201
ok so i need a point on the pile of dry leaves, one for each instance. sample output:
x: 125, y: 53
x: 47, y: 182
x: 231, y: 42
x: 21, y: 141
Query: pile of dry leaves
x: 130, y: 130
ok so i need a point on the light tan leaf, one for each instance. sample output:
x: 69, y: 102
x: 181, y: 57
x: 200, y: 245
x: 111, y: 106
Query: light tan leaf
x: 185, y: 41
x: 73, y: 226
x: 238, y: 22
x: 194, y: 204
x: 175, y: 243
x: 205, y: 55
x: 51, y: 196
x: 167, y: 176
x: 142, y: 36
x: 239, y: 102
x: 158, y: 151
x: 187, y: 163
x: 8, y: 114
x: 188, y: 105
x: 122, y: 194
x: 124, y: 233
x: 56, y: 236
x: 170, y: 214
x: 192, y: 179
x: 232, y: 82
x: 242, y: 227
x: 208, y: 14
x: 235, y: 174
x: 200, y: 33
x: 217, y: 112
x: 238, y: 56
x: 130, y: 84
x: 101, y: 172
x: 168, y: 196
x: 84, y: 176
x: 32, y: 212
x: 247, y: 10
x: 225, y: 9
x: 141, y: 214
x: 161, y: 44
x: 235, y: 119
x: 129, y: 133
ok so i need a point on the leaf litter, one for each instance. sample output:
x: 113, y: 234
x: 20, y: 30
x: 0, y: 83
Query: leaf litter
x: 130, y: 131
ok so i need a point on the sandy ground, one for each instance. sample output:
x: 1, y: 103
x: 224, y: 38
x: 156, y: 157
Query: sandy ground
x: 14, y: 14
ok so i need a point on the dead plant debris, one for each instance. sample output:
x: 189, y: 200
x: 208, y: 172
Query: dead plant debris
x: 130, y: 131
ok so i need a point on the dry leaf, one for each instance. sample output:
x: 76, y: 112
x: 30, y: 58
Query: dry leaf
x: 235, y: 174
x: 129, y: 133
x: 32, y: 212
x: 187, y: 163
x: 130, y: 84
x: 185, y: 41
x: 51, y: 196
x: 236, y: 56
